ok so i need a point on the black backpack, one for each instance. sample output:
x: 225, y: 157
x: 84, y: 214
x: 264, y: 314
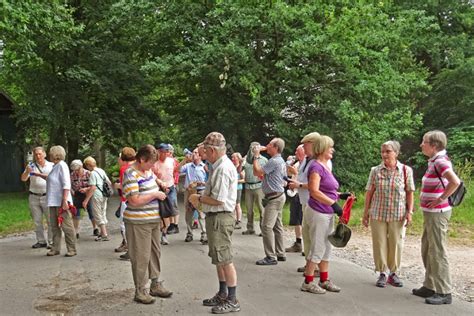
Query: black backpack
x: 106, y: 190
x: 456, y: 198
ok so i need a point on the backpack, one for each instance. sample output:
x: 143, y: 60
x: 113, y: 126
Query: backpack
x: 456, y: 198
x: 106, y: 190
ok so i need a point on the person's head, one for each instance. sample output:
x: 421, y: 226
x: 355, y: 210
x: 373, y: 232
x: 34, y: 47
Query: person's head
x: 308, y: 141
x: 323, y: 147
x: 237, y: 159
x: 201, y: 151
x: 389, y: 151
x: 275, y: 146
x: 433, y: 142
x: 196, y: 157
x: 146, y: 157
x: 76, y: 165
x: 299, y: 152
x: 163, y: 151
x: 170, y: 150
x: 57, y: 153
x: 90, y: 163
x: 39, y: 154
x: 214, y: 146
x: 127, y: 154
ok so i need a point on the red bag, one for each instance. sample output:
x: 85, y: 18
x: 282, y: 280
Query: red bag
x: 346, y: 210
x: 72, y: 209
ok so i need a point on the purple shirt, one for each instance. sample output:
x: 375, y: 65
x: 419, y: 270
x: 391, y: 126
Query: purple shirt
x: 328, y: 185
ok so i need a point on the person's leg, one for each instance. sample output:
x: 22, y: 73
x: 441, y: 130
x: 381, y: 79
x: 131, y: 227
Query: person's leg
x: 379, y: 244
x: 426, y: 246
x: 69, y: 232
x: 258, y: 200
x: 154, y: 267
x: 394, y: 245
x: 53, y: 221
x: 249, y: 204
x: 188, y: 216
x: 45, y: 211
x: 278, y: 227
x: 270, y: 218
x: 438, y: 255
x: 37, y: 217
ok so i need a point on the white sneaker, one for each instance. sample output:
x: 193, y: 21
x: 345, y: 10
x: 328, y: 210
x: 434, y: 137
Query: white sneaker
x: 164, y: 240
x: 312, y: 287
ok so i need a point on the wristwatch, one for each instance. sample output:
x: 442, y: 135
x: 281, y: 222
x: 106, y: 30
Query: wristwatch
x: 301, y: 185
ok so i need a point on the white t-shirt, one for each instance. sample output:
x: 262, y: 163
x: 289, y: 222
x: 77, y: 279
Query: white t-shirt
x: 59, y: 179
x: 222, y: 186
x: 38, y: 184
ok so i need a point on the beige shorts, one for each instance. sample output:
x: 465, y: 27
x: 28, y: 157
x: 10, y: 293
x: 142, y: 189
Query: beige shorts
x: 219, y: 227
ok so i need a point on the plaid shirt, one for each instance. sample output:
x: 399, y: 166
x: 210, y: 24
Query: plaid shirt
x: 78, y: 181
x: 388, y: 202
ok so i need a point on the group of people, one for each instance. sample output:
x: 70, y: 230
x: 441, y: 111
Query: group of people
x: 212, y: 183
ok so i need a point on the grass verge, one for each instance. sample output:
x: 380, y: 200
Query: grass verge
x: 14, y: 213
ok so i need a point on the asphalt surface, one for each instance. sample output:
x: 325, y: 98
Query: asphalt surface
x: 96, y: 282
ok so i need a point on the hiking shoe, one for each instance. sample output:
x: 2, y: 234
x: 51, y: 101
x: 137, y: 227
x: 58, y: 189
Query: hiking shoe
x: 124, y: 256
x: 188, y: 238
x: 296, y: 247
x: 143, y: 297
x: 214, y: 301
x: 164, y: 240
x: 248, y: 232
x: 329, y: 286
x: 312, y: 288
x: 52, y: 253
x: 103, y: 238
x: 122, y: 248
x: 394, y: 280
x: 77, y: 236
x: 301, y: 269
x: 423, y: 292
x: 172, y: 229
x: 439, y: 299
x: 157, y: 289
x: 281, y: 258
x: 203, y: 239
x: 95, y: 232
x: 381, y: 281
x: 237, y: 225
x: 267, y: 261
x: 227, y: 306
x: 70, y: 254
x: 39, y: 245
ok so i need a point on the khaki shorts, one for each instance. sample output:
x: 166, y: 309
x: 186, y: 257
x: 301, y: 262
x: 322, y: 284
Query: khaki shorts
x: 219, y: 227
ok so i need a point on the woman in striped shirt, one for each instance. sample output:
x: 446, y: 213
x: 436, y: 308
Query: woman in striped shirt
x: 389, y: 205
x: 142, y: 225
x: 438, y: 183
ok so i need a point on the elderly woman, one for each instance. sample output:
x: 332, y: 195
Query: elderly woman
x: 97, y: 197
x: 142, y: 225
x: 319, y: 216
x: 58, y: 186
x: 237, y: 160
x: 79, y: 188
x: 389, y: 205
x: 437, y: 185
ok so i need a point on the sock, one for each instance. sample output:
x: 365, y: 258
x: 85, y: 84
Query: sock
x: 232, y: 293
x: 222, y: 288
x: 298, y: 240
x: 323, y: 276
x: 308, y: 279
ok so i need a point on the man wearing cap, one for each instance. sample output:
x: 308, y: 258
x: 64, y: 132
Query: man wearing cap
x: 218, y: 203
x: 37, y: 172
x: 273, y: 173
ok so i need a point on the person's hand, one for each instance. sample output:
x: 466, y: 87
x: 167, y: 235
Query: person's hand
x: 365, y: 220
x: 256, y: 151
x: 292, y: 170
x: 434, y: 203
x: 408, y: 219
x: 345, y: 195
x: 337, y: 209
x: 194, y: 200
x: 293, y: 185
x: 65, y: 205
x: 84, y: 204
x: 160, y: 195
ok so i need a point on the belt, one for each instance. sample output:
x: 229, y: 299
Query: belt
x: 215, y: 213
x: 37, y: 194
x: 253, y: 182
x: 273, y: 195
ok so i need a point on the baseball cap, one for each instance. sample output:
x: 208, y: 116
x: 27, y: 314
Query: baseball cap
x: 163, y: 147
x: 214, y: 139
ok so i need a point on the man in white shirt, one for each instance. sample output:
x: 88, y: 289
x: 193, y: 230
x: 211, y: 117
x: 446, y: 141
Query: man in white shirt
x: 37, y: 171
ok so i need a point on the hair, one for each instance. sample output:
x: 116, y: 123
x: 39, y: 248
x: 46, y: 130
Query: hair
x: 127, y: 154
x: 311, y: 137
x: 146, y: 153
x: 437, y: 139
x: 239, y: 157
x: 394, y: 144
x: 321, y: 144
x: 57, y: 153
x: 90, y: 162
x: 279, y: 144
x: 76, y: 164
x: 38, y: 148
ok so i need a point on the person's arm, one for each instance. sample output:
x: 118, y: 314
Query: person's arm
x: 257, y: 168
x: 137, y: 200
x: 410, y: 204
x: 26, y: 174
x: 368, y: 200
x: 453, y: 183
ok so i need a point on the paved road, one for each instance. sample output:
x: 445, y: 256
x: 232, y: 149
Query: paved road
x: 95, y: 282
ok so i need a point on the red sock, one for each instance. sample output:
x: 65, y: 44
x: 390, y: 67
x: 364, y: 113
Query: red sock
x: 323, y: 276
x: 308, y: 279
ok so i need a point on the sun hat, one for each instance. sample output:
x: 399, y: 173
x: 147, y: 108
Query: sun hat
x: 341, y: 236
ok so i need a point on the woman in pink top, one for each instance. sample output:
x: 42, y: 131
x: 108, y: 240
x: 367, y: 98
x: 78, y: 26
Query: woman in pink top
x: 438, y: 183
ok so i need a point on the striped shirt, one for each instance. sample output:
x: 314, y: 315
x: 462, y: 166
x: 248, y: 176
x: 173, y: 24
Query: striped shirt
x: 134, y: 183
x: 274, y: 171
x: 388, y: 202
x: 431, y: 187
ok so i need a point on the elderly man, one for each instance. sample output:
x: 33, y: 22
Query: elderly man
x: 273, y: 173
x: 218, y: 202
x: 37, y: 172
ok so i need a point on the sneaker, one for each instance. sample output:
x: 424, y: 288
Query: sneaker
x: 394, y: 280
x: 267, y: 261
x: 260, y: 235
x: 226, y: 306
x: 102, y: 238
x: 312, y: 288
x: 70, y: 254
x: 52, y: 253
x: 203, y: 238
x: 125, y: 256
x: 50, y: 246
x: 439, y: 299
x: 39, y: 245
x: 164, y: 240
x: 214, y: 301
x: 423, y: 292
x: 172, y: 229
x: 176, y: 229
x: 248, y: 232
x: 329, y: 286
x: 296, y: 247
x: 95, y: 232
x: 237, y: 225
x: 143, y: 297
x: 188, y: 238
x: 98, y: 238
x: 301, y: 269
x: 157, y: 289
x: 122, y: 248
x: 281, y: 258
x: 381, y: 281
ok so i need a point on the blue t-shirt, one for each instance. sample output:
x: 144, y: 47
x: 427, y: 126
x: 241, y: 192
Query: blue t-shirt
x: 327, y: 185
